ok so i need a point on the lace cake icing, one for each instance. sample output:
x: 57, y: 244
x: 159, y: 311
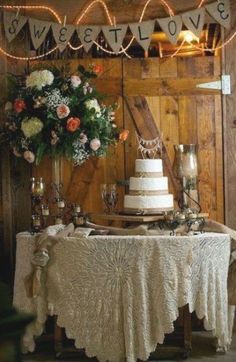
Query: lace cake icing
x: 148, y: 190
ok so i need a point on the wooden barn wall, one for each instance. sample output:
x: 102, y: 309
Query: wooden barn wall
x: 14, y: 174
x: 182, y: 112
x: 229, y: 56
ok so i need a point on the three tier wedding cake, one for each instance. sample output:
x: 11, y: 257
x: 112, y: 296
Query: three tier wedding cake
x: 148, y: 190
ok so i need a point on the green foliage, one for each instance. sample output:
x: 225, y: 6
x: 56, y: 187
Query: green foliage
x: 68, y: 109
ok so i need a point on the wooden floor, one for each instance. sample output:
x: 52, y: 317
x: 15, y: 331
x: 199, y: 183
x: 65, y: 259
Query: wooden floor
x: 203, y: 351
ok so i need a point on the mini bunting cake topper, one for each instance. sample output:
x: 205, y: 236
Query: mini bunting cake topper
x: 149, y: 148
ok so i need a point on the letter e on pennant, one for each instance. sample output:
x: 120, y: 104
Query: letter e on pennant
x: 62, y: 34
x: 87, y: 35
x: 220, y: 11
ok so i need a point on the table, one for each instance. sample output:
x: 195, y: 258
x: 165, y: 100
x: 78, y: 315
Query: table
x: 117, y: 296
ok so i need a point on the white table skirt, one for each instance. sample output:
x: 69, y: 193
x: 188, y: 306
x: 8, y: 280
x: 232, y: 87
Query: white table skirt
x: 117, y: 296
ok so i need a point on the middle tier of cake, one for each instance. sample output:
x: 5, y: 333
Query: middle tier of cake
x: 148, y: 186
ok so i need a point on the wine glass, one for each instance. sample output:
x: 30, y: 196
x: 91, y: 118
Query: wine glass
x: 109, y: 196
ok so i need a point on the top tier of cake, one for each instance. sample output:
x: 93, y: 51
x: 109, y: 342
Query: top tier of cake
x: 150, y: 166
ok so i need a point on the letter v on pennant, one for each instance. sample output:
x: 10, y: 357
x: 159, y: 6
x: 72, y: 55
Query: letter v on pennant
x: 88, y: 34
x: 194, y: 21
x: 38, y: 31
x: 13, y: 24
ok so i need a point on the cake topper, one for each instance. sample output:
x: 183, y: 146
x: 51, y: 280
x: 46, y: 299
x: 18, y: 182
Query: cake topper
x: 149, y: 148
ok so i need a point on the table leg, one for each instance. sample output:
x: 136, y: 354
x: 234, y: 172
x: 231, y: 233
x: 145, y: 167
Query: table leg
x: 58, y: 339
x: 187, y: 331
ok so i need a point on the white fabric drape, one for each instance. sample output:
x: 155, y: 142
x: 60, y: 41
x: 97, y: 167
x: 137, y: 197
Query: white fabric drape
x: 117, y: 296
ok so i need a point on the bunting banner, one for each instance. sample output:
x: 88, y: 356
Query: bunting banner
x: 62, y: 35
x: 38, y: 31
x: 114, y: 34
x: 143, y: 32
x: 194, y: 21
x: 220, y: 11
x: 87, y: 35
x: 13, y: 23
x: 171, y: 27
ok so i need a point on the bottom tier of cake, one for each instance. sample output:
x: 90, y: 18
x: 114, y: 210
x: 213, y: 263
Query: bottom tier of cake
x: 148, y: 204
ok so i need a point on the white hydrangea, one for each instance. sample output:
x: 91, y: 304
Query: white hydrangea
x: 93, y: 104
x: 39, y: 79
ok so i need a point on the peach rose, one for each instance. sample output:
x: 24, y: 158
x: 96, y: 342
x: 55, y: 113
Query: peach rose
x: 63, y: 111
x: 75, y: 81
x: 72, y: 124
x: 95, y: 144
x: 19, y: 105
x: 97, y: 68
x: 124, y: 135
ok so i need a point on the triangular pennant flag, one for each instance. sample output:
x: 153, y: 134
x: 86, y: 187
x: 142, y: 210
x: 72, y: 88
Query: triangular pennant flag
x: 220, y: 11
x: 87, y: 35
x: 172, y: 27
x: 38, y: 31
x: 142, y: 32
x: 115, y: 35
x: 13, y: 23
x: 194, y: 21
x: 62, y: 34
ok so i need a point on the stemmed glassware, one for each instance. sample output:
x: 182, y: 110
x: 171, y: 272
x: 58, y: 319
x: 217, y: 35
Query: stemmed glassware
x: 109, y: 196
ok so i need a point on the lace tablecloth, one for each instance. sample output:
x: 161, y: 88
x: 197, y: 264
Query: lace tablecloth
x: 117, y: 296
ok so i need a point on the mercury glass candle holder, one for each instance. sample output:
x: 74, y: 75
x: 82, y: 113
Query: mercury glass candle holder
x: 186, y: 169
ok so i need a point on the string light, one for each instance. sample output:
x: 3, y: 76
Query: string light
x: 219, y: 46
x: 201, y: 3
x: 87, y: 9
x: 92, y: 5
x: 75, y: 48
x: 171, y: 13
x: 26, y: 58
x: 33, y: 7
x: 178, y: 49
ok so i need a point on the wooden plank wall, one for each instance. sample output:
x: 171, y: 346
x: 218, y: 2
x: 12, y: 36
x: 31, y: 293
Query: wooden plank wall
x: 229, y: 54
x: 184, y: 114
x: 15, y: 174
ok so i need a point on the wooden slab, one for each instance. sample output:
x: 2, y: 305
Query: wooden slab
x: 135, y: 218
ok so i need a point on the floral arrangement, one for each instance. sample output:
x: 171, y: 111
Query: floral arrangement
x: 56, y: 113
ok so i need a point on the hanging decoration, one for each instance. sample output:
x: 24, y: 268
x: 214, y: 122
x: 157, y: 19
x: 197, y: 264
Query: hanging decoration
x: 13, y: 23
x: 87, y: 35
x: 38, y: 31
x: 194, y: 21
x: 149, y: 148
x: 220, y: 11
x: 113, y: 33
x: 172, y: 27
x: 142, y: 32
